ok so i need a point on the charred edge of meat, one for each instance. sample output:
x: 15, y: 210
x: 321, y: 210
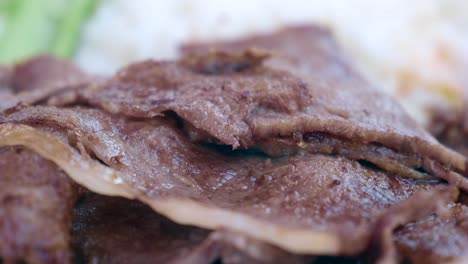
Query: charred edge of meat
x: 217, y: 62
x: 374, y: 155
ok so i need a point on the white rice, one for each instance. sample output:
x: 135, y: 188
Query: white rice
x: 415, y: 50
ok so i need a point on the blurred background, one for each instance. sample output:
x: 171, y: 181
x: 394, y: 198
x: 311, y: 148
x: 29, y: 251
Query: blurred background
x: 417, y: 51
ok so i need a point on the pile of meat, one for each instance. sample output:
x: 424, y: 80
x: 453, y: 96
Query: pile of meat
x: 270, y: 149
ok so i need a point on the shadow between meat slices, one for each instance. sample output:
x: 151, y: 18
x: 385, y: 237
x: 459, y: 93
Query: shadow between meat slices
x: 306, y: 203
x: 305, y: 96
x: 36, y: 206
x: 115, y: 230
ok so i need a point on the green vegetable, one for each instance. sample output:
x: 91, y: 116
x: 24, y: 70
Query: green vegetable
x: 41, y: 26
x: 69, y: 30
x: 7, y: 8
x: 28, y: 31
x: 6, y: 5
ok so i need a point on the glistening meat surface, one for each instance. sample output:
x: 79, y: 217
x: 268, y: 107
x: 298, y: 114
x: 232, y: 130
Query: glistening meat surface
x: 308, y: 203
x: 232, y: 99
x: 163, y: 133
x: 310, y: 53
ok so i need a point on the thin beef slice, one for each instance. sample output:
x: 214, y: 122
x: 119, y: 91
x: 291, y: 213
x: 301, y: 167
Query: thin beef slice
x: 324, y: 106
x: 33, y: 80
x: 307, y: 203
x: 435, y: 239
x: 116, y: 230
x: 36, y: 206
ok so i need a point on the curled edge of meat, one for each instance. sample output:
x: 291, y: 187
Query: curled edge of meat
x: 106, y: 181
x: 298, y: 47
x: 439, y: 161
x: 420, y: 205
